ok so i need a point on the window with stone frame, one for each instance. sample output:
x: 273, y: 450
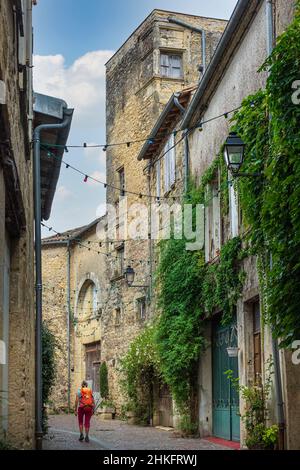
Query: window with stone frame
x: 234, y: 211
x: 141, y: 309
x: 118, y: 317
x: 158, y: 179
x: 169, y: 164
x: 121, y: 182
x: 212, y: 221
x: 171, y: 65
x: 120, y: 261
x: 257, y: 341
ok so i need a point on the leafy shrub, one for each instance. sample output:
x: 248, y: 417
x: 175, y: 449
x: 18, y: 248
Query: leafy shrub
x: 104, y: 390
x: 256, y: 396
x: 48, y: 368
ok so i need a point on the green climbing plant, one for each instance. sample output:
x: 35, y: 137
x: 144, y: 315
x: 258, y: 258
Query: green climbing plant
x: 104, y: 390
x: 140, y: 370
x: 224, y: 280
x: 268, y: 122
x: 189, y: 291
x: 49, y: 345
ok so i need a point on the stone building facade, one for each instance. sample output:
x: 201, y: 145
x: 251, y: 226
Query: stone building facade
x: 17, y: 320
x: 224, y: 86
x: 231, y: 77
x: 75, y: 305
x: 20, y: 112
x: 160, y: 58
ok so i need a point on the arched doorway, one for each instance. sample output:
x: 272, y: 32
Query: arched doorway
x: 87, y: 304
x: 88, y: 333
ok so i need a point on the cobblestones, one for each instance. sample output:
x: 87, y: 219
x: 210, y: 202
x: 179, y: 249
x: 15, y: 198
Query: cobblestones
x: 117, y: 435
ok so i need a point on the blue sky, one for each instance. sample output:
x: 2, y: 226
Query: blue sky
x: 73, y: 39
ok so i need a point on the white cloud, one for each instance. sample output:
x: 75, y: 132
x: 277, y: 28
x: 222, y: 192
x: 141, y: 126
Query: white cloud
x: 95, y: 152
x: 81, y: 85
x: 98, y: 175
x: 62, y: 193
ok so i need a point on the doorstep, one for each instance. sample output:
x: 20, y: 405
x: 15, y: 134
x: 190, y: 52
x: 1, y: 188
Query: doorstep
x: 224, y: 442
x: 164, y: 428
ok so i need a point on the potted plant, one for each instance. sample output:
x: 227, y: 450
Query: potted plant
x: 232, y: 351
x: 260, y: 436
x: 130, y: 414
x: 107, y: 409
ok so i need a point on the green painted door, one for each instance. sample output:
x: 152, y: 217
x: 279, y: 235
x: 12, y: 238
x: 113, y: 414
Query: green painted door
x: 226, y: 421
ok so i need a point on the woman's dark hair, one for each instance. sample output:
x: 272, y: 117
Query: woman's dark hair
x: 84, y: 384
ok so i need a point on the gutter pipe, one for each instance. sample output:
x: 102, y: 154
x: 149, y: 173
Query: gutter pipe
x: 38, y: 274
x: 220, y: 50
x: 275, y: 348
x: 29, y: 63
x: 69, y: 321
x: 197, y: 30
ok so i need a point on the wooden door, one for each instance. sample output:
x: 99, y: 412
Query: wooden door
x: 226, y: 420
x: 92, y: 365
x: 165, y: 406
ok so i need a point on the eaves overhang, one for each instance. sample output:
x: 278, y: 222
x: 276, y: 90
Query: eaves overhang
x: 50, y: 110
x: 70, y: 236
x: 165, y: 124
x: 238, y: 24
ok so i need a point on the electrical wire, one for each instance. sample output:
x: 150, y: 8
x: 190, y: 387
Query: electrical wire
x: 149, y: 139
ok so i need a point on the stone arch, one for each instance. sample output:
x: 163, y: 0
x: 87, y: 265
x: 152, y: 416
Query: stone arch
x: 88, y: 298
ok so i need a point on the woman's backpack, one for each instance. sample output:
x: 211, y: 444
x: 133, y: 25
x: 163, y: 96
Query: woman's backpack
x: 86, y: 397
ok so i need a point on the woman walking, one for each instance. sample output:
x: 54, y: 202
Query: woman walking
x: 84, y: 408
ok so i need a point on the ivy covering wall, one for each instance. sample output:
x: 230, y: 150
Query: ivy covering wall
x: 189, y: 291
x: 269, y: 124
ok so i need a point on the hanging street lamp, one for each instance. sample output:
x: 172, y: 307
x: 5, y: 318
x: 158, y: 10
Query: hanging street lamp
x: 234, y: 152
x: 234, y: 155
x: 129, y: 276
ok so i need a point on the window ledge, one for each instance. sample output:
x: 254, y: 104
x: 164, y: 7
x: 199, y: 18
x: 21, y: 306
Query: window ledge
x: 215, y: 260
x: 117, y: 278
x: 171, y: 79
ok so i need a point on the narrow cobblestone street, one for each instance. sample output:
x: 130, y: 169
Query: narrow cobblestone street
x: 117, y: 435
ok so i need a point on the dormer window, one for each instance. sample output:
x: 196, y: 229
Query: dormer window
x: 171, y: 65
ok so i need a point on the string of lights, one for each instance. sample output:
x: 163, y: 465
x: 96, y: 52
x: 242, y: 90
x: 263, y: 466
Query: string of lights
x: 91, y: 310
x: 122, y: 191
x: 150, y: 139
x: 107, y: 255
x: 78, y: 241
x: 87, y: 177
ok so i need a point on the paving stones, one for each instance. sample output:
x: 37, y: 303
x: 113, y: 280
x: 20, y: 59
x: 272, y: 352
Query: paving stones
x: 117, y: 435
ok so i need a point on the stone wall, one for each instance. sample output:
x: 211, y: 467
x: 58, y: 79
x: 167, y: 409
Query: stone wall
x: 88, y: 292
x: 239, y: 78
x: 55, y: 314
x: 19, y: 403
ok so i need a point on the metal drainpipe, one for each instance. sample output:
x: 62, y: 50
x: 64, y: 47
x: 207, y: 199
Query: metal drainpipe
x: 197, y: 30
x: 29, y: 67
x: 38, y: 275
x: 150, y: 233
x: 186, y: 143
x: 68, y: 322
x: 275, y: 348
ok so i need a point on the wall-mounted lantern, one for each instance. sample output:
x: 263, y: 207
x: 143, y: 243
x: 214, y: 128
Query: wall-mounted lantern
x: 234, y: 155
x: 233, y: 351
x: 129, y: 276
